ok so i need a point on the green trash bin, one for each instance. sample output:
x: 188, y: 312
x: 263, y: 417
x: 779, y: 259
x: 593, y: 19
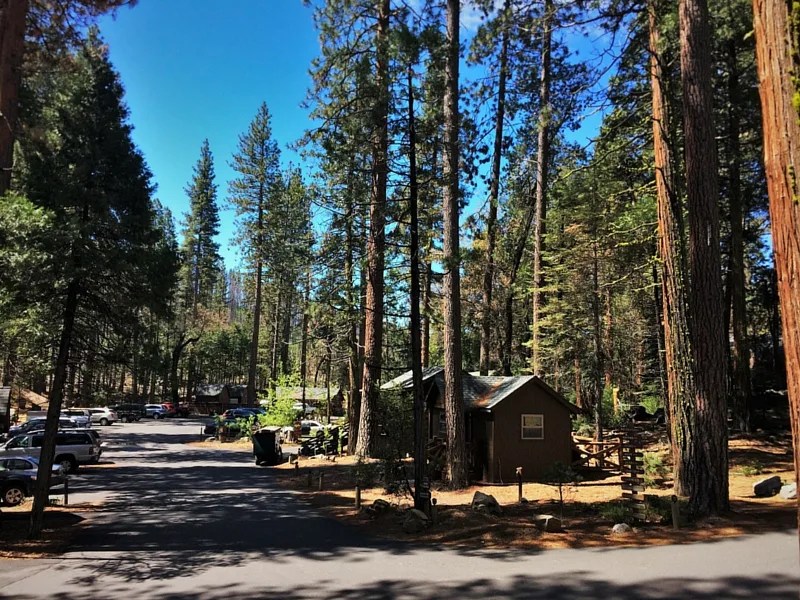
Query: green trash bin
x: 267, y: 446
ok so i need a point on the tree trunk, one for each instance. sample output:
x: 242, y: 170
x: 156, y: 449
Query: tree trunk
x: 286, y: 335
x: 578, y: 395
x: 276, y: 336
x: 707, y: 476
x: 542, y: 158
x: 304, y: 344
x: 426, y: 316
x: 420, y: 440
x: 608, y: 341
x: 494, y: 194
x: 13, y: 14
x: 598, y: 345
x: 741, y: 352
x: 10, y: 365
x: 777, y: 49
x: 373, y: 332
x: 251, y: 371
x: 42, y: 489
x: 453, y: 394
x: 680, y: 379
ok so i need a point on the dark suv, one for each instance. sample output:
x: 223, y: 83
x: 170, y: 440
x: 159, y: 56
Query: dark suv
x: 128, y: 413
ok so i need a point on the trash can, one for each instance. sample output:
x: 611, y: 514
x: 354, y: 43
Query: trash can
x: 267, y: 446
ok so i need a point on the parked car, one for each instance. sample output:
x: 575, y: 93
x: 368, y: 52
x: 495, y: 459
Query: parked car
x: 82, y: 416
x: 156, y: 411
x: 128, y: 413
x: 73, y: 448
x: 239, y: 413
x: 17, y: 478
x: 102, y: 416
x: 183, y: 410
x: 170, y: 409
x: 34, y: 425
x: 310, y: 427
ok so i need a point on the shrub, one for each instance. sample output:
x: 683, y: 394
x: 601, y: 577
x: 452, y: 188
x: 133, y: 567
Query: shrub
x: 616, y: 511
x: 654, y: 468
x: 560, y: 474
x: 752, y: 467
x: 366, y: 473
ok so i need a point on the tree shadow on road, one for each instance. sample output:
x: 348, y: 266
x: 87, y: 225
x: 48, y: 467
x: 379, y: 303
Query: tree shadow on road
x: 180, y: 515
x: 573, y: 586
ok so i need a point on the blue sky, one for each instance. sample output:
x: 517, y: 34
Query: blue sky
x: 196, y: 69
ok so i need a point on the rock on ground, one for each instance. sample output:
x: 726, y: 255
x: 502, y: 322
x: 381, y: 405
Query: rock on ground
x: 621, y: 528
x: 415, y: 522
x: 485, y: 503
x: 547, y: 523
x: 767, y: 487
x: 789, y: 492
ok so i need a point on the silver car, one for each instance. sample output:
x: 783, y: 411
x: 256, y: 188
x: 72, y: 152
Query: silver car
x: 73, y: 448
x: 102, y: 416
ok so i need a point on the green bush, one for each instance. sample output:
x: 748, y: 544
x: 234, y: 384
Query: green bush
x: 617, y: 511
x: 366, y: 473
x: 654, y: 468
x: 751, y: 468
x: 650, y: 403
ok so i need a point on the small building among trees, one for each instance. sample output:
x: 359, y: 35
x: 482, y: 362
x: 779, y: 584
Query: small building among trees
x: 213, y: 398
x: 510, y: 422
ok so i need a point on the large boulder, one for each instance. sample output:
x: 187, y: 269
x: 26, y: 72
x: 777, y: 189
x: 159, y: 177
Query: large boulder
x: 767, y: 487
x: 486, y: 504
x: 621, y: 528
x: 415, y: 522
x: 547, y: 523
x: 789, y: 491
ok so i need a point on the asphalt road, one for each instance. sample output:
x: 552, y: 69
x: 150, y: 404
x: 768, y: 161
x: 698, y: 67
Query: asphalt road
x: 184, y: 523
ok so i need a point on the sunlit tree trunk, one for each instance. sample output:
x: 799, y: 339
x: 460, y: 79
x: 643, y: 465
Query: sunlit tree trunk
x: 778, y: 62
x: 494, y: 194
x: 707, y: 474
x: 453, y: 395
x: 373, y: 332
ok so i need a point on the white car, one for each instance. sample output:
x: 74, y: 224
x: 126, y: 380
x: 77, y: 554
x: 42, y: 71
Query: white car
x: 81, y: 416
x: 103, y: 416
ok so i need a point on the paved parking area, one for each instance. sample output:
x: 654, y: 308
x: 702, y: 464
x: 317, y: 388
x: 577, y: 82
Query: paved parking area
x: 181, y: 522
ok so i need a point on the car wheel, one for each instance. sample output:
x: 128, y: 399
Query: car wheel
x: 156, y: 416
x: 13, y: 495
x: 104, y: 422
x: 67, y: 464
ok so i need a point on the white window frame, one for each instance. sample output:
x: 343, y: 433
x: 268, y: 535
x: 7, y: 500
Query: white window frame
x: 523, y: 427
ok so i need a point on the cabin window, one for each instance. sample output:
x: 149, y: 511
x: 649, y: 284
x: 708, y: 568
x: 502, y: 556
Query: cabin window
x: 532, y: 427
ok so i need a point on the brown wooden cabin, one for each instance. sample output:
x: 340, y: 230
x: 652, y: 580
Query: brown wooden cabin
x: 510, y: 422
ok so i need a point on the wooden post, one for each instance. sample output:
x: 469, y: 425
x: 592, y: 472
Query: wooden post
x: 676, y: 513
x: 519, y: 484
x: 66, y: 490
x: 434, y: 511
x: 296, y: 467
x: 358, y: 497
x: 321, y: 480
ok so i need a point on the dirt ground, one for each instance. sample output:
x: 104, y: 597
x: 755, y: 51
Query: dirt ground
x: 61, y: 526
x: 590, y: 507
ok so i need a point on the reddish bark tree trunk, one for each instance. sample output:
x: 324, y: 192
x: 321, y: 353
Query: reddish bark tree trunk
x: 680, y: 380
x: 494, y: 193
x: 778, y: 61
x: 373, y: 333
x: 453, y: 396
x: 542, y: 158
